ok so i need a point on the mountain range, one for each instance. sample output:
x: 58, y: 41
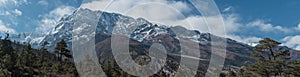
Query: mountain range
x: 143, y: 34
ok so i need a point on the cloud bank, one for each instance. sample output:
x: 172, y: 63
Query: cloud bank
x: 5, y: 28
x: 267, y: 27
x: 292, y: 41
x: 50, y: 20
x: 170, y: 13
x: 17, y: 12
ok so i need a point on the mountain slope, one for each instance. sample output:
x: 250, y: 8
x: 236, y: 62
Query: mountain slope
x: 143, y: 34
x: 137, y: 29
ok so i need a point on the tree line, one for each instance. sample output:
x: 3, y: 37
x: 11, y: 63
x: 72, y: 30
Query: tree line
x: 271, y: 61
x: 21, y: 60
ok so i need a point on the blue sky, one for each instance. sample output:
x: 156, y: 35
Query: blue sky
x: 246, y: 20
x: 278, y: 12
x: 26, y: 15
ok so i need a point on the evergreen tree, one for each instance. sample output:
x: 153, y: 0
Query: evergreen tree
x: 27, y: 62
x: 294, y: 68
x: 231, y: 74
x: 7, y: 54
x: 66, y: 66
x: 271, y: 61
x: 62, y: 51
x: 4, y: 72
x: 44, y: 60
x: 44, y: 50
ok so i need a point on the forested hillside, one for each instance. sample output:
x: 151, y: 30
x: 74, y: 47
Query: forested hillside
x: 21, y: 60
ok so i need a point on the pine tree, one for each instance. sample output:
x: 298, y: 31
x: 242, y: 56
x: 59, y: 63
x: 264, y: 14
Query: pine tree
x: 294, y: 68
x: 4, y: 72
x: 271, y: 61
x: 44, y: 60
x: 27, y: 62
x: 231, y: 74
x: 266, y: 50
x: 62, y: 51
x: 7, y: 54
x: 44, y: 50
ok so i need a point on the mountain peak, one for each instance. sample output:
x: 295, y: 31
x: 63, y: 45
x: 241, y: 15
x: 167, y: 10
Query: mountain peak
x: 137, y: 29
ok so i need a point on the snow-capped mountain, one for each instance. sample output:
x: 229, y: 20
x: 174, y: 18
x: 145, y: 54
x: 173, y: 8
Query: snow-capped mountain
x: 142, y: 32
x: 33, y: 38
x: 137, y: 29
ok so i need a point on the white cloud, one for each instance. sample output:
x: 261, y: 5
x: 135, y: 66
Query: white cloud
x: 292, y: 41
x: 46, y: 25
x: 15, y: 2
x: 251, y: 40
x: 96, y: 5
x: 61, y: 11
x: 3, y: 1
x: 230, y: 22
x: 5, y: 13
x: 298, y: 26
x: 43, y: 2
x: 197, y: 23
x: 182, y: 7
x: 17, y: 12
x: 267, y: 27
x: 160, y: 13
x: 123, y: 6
x: 4, y: 28
x: 50, y: 20
x: 24, y: 1
x: 166, y: 12
x: 228, y: 9
x: 119, y: 6
x: 157, y: 11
